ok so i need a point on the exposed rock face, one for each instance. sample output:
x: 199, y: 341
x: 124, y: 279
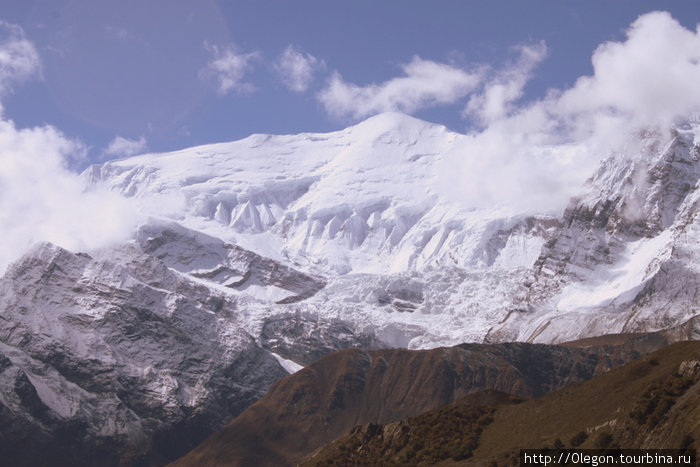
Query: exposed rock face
x: 626, y: 256
x: 326, y: 399
x: 210, y: 258
x: 305, y: 339
x: 103, y: 363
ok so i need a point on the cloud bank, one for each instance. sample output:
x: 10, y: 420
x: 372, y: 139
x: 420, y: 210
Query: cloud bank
x: 40, y: 200
x: 536, y: 156
x: 651, y: 78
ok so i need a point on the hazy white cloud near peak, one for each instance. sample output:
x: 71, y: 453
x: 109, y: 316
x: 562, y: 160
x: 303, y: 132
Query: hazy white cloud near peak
x: 124, y: 147
x: 297, y: 69
x: 19, y: 59
x: 506, y: 86
x: 538, y: 155
x: 651, y: 78
x: 425, y: 84
x: 227, y: 68
x: 40, y: 199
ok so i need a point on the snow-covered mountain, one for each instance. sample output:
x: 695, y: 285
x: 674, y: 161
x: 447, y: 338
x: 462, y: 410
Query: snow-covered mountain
x: 370, y: 198
x: 268, y: 253
x: 369, y: 209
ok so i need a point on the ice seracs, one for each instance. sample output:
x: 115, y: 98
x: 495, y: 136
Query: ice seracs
x: 351, y: 200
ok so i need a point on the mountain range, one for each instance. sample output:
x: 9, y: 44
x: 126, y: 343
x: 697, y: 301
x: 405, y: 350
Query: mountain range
x: 405, y: 261
x: 262, y: 256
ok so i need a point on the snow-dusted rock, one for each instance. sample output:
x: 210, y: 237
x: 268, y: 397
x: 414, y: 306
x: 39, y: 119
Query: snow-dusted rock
x: 206, y: 257
x: 119, y: 360
x: 627, y: 257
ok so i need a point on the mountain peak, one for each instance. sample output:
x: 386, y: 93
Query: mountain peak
x: 44, y: 256
x: 388, y: 121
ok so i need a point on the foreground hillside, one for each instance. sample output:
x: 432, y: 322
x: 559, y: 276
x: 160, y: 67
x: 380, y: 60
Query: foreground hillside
x: 328, y: 398
x: 651, y: 403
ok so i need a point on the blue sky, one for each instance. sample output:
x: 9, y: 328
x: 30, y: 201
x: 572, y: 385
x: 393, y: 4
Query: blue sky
x: 543, y: 90
x: 134, y: 76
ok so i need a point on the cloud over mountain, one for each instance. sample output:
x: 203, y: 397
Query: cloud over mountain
x: 425, y: 84
x: 40, y: 198
x: 540, y: 152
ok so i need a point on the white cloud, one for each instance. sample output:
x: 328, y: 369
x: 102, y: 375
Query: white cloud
x: 425, y: 84
x: 651, y: 78
x: 40, y: 200
x: 296, y: 69
x: 228, y: 67
x: 124, y: 147
x: 501, y: 91
x: 19, y: 59
x: 538, y: 155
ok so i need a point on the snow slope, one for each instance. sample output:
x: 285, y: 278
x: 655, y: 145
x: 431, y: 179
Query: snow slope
x: 117, y: 356
x: 370, y: 198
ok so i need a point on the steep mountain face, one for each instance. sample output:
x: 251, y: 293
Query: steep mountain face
x: 132, y: 362
x: 326, y: 399
x: 204, y: 257
x: 257, y: 284
x: 626, y: 258
x: 366, y: 211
